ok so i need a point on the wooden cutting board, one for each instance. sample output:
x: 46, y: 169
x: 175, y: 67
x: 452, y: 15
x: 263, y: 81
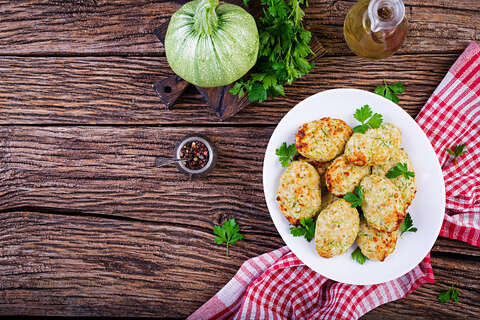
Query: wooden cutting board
x: 223, y: 103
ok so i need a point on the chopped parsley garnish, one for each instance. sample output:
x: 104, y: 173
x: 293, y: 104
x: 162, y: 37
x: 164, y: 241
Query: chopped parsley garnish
x: 367, y: 118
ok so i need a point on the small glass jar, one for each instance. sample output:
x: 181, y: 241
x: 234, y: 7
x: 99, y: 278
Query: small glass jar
x: 212, y: 155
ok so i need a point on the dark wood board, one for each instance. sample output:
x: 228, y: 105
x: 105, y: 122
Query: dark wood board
x: 88, y: 225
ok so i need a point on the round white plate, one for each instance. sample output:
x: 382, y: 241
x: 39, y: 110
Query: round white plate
x: 427, y: 209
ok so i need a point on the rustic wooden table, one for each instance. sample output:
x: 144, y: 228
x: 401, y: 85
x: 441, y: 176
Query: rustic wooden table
x: 90, y: 227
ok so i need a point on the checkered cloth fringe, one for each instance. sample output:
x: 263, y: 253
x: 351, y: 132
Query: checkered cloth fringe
x: 277, y: 285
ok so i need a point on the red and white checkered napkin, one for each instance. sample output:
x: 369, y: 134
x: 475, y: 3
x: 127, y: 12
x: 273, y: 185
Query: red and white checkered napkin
x: 452, y: 117
x: 277, y: 285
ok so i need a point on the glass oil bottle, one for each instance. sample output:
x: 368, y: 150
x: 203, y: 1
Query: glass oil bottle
x: 375, y: 29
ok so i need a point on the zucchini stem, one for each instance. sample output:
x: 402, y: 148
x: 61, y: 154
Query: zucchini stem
x: 206, y: 18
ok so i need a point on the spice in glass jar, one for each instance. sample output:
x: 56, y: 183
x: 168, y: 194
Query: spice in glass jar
x: 196, y: 154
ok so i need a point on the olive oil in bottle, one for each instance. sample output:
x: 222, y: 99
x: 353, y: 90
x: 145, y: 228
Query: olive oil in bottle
x: 375, y: 29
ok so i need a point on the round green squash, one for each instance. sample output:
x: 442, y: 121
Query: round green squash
x: 211, y: 44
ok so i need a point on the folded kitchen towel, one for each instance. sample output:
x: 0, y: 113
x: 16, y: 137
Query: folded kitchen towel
x: 277, y: 285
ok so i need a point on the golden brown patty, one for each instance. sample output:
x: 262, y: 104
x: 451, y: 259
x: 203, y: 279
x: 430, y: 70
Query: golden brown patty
x: 376, y: 245
x: 322, y: 139
x: 319, y: 165
x: 336, y: 229
x: 298, y: 193
x: 342, y: 177
x: 372, y: 147
x: 406, y: 185
x: 382, y: 205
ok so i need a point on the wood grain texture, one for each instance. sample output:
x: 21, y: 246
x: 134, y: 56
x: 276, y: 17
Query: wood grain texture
x: 110, y: 170
x: 90, y: 227
x: 126, y: 26
x: 89, y: 266
x: 118, y: 90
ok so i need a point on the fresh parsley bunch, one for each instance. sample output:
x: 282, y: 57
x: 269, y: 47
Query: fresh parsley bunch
x: 306, y: 229
x: 229, y: 232
x: 282, y: 56
x: 367, y: 118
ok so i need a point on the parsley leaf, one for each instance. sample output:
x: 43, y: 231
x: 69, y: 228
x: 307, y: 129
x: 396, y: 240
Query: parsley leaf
x: 389, y: 90
x: 407, y: 225
x: 444, y: 296
x: 355, y: 198
x: 397, y: 87
x: 450, y: 294
x: 375, y: 121
x: 367, y: 118
x: 454, y: 294
x: 306, y: 229
x: 399, y: 169
x: 363, y: 113
x: 458, y: 151
x: 229, y: 232
x: 285, y: 153
x: 283, y: 51
x: 358, y: 256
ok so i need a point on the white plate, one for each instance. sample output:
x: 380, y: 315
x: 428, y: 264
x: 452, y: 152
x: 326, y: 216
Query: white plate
x: 427, y: 209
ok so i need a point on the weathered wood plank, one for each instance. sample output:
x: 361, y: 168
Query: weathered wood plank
x: 88, y: 266
x: 110, y: 172
x: 424, y: 304
x: 117, y: 90
x: 125, y: 26
x: 80, y: 266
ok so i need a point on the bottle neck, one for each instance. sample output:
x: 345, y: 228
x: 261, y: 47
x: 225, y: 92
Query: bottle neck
x: 385, y: 14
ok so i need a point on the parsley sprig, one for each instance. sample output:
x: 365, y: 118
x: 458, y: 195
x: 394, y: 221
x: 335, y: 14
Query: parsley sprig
x: 458, y: 151
x: 450, y: 294
x: 282, y: 56
x: 229, y: 232
x: 358, y: 256
x: 399, y: 169
x: 355, y: 198
x: 389, y: 90
x: 367, y: 118
x: 407, y: 225
x: 306, y: 229
x: 285, y: 153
